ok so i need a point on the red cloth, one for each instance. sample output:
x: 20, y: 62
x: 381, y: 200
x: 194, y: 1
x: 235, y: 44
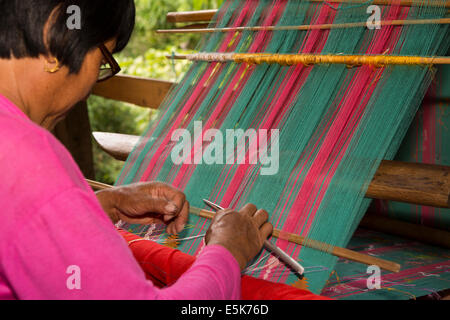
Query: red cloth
x: 163, y: 266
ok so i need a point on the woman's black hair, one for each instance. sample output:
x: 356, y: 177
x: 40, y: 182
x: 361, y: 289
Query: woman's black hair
x: 23, y: 22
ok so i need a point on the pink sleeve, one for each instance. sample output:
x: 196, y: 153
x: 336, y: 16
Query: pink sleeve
x: 68, y: 251
x: 210, y: 266
x: 57, y: 243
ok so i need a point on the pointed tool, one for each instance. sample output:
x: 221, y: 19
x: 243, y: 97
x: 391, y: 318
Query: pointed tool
x: 287, y: 259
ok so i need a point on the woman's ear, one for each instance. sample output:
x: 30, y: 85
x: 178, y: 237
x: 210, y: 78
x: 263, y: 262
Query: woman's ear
x: 51, y: 64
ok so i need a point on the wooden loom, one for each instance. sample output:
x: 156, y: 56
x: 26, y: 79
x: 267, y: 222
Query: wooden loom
x: 420, y: 184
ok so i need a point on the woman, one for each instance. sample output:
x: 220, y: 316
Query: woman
x: 57, y: 240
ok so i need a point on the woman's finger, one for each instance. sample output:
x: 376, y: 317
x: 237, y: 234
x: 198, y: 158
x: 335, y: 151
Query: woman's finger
x: 155, y: 205
x: 260, y: 217
x: 171, y: 229
x: 168, y: 217
x: 266, y: 230
x: 249, y: 209
x: 178, y: 224
x: 182, y: 218
x: 141, y: 220
x: 175, y: 198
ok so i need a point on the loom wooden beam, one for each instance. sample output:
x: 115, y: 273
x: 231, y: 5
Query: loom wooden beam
x: 191, y: 16
x: 117, y: 145
x: 143, y: 92
x: 414, y: 183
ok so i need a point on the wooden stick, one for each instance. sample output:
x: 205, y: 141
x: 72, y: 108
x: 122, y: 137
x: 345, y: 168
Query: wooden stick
x: 327, y: 26
x: 313, y: 59
x: 143, y: 92
x: 417, y: 183
x: 191, y: 16
x: 421, y: 184
x: 98, y: 185
x: 313, y: 244
x: 208, y: 15
x: 200, y: 26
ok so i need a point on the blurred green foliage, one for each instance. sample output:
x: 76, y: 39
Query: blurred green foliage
x: 145, y: 57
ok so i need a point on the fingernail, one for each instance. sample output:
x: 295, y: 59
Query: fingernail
x: 167, y: 218
x: 171, y: 208
x: 181, y: 228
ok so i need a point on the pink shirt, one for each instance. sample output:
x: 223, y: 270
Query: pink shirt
x: 51, y: 220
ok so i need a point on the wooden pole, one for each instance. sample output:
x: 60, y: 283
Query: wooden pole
x: 140, y: 91
x: 417, y: 183
x: 327, y: 26
x: 191, y: 16
x: 208, y: 15
x: 336, y: 251
x: 313, y: 59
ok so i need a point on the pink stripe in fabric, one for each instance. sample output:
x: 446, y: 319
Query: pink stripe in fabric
x: 156, y: 157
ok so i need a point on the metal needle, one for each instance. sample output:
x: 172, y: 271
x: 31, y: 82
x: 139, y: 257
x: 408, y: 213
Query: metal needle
x: 287, y: 259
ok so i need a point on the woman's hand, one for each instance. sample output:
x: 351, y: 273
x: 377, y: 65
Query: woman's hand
x: 242, y: 233
x: 146, y: 203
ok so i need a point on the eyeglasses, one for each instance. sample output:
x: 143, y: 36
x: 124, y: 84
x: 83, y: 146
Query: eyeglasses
x: 110, y: 68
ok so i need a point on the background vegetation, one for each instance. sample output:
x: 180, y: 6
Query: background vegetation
x: 145, y: 57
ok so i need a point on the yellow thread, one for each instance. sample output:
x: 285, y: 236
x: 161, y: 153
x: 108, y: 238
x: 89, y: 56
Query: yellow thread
x: 401, y: 291
x: 242, y: 77
x: 225, y: 79
x: 336, y: 275
x: 212, y: 75
x: 236, y: 34
x: 172, y: 241
x: 350, y: 60
x: 377, y: 78
x: 301, y: 284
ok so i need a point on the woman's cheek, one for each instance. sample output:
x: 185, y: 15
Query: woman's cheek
x: 88, y: 83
